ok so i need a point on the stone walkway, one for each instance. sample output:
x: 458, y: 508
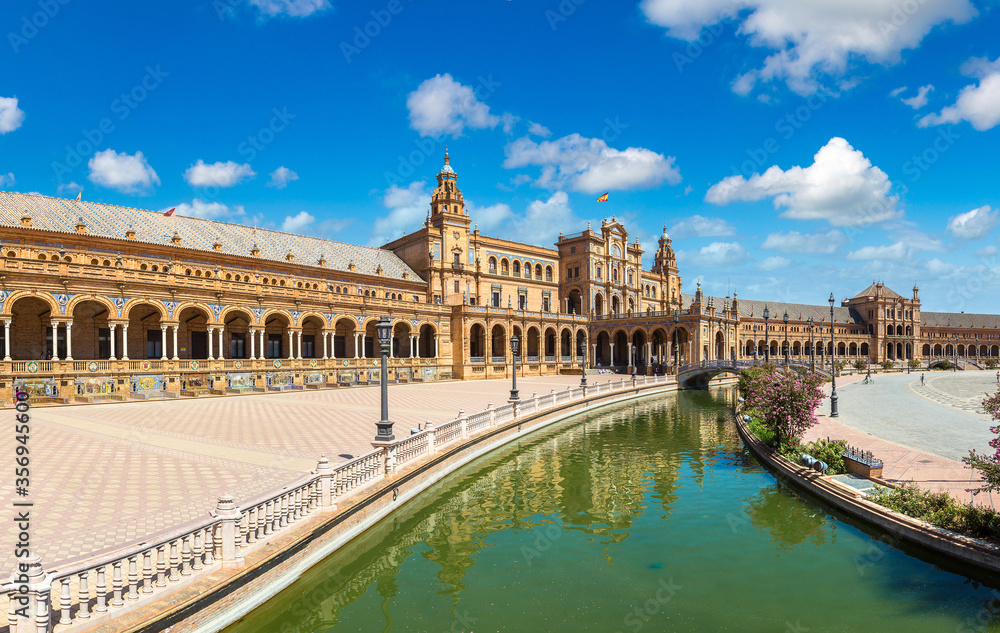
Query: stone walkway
x: 105, y: 475
x: 920, y: 432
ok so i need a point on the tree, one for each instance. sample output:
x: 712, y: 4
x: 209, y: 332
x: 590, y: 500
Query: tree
x: 786, y: 400
x: 988, y: 465
x: 886, y: 365
x: 991, y: 363
x: 860, y: 365
x: 914, y: 363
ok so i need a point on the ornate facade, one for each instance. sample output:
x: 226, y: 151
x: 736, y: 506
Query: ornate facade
x: 100, y: 301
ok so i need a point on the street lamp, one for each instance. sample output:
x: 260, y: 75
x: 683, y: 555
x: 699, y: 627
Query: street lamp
x: 677, y: 320
x: 812, y: 346
x: 786, y: 337
x: 515, y: 349
x: 384, y: 331
x: 833, y: 365
x: 767, y: 343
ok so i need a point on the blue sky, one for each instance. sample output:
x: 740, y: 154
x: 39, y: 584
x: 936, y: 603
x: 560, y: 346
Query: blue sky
x: 791, y: 149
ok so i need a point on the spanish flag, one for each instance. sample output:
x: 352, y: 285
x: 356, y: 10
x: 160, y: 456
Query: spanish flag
x: 603, y: 198
x: 79, y: 195
x: 170, y: 213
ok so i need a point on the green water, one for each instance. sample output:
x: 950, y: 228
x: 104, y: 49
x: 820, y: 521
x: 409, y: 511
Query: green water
x: 645, y: 517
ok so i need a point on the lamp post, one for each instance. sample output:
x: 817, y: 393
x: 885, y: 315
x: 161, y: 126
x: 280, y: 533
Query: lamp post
x: 515, y: 349
x: 812, y: 346
x: 786, y: 337
x: 677, y: 320
x: 767, y: 343
x: 833, y: 365
x: 384, y: 331
x: 955, y: 368
x: 633, y: 364
x: 976, y: 355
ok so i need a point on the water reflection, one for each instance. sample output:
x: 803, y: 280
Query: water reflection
x: 590, y: 517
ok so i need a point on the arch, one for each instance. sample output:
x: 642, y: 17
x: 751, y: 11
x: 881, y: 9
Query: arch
x: 156, y: 305
x: 620, y: 353
x: 538, y: 272
x: 504, y: 266
x: 401, y: 331
x: 961, y: 349
x: 276, y: 323
x: 477, y: 340
x: 498, y: 341
x: 313, y: 326
x: 749, y: 347
x: 864, y: 349
x: 575, y: 301
x: 926, y: 349
x: 550, y: 339
x: 313, y: 314
x: 615, y: 304
x: 603, y: 358
x: 426, y: 335
x: 599, y: 304
x: 240, y: 310
x: 492, y: 264
x: 31, y: 319
x: 548, y: 273
x: 797, y: 348
x: 565, y: 343
x: 852, y: 349
x: 516, y: 268
x: 534, y: 339
x: 201, y: 307
x: 638, y: 339
x: 995, y: 351
x: 720, y: 346
x: 345, y: 343
x: 659, y: 339
x: 271, y: 312
x: 78, y: 299
x: 581, y: 344
x: 47, y: 298
x: 193, y: 321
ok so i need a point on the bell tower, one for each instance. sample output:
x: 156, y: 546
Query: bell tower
x: 447, y: 204
x: 665, y: 262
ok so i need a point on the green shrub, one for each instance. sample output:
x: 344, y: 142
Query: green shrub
x: 886, y: 365
x: 940, y: 509
x: 860, y: 365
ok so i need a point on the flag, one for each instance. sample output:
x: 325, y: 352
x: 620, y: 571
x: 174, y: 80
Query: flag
x: 79, y: 195
x: 170, y: 213
x: 603, y: 198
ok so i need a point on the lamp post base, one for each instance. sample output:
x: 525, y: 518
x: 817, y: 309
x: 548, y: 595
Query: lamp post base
x: 833, y: 404
x: 513, y: 396
x: 384, y: 433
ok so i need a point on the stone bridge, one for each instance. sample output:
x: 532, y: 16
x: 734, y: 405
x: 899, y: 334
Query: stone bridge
x: 697, y: 375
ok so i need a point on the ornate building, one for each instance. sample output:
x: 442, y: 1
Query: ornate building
x: 100, y: 301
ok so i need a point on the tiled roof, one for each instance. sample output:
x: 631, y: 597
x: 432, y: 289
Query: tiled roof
x: 959, y: 320
x: 871, y: 291
x: 753, y: 309
x: 106, y: 220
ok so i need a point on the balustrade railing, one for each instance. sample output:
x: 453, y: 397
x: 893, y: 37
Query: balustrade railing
x: 77, y: 593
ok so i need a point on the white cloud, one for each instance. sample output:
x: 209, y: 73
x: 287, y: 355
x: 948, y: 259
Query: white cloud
x: 544, y: 220
x: 841, y: 187
x: 977, y: 104
x: 811, y: 40
x: 589, y: 165
x: 408, y: 208
x: 297, y: 223
x: 208, y: 210
x: 7, y: 180
x: 975, y: 224
x: 775, y: 263
x: 898, y: 91
x: 895, y: 252
x: 69, y: 188
x: 128, y: 174
x: 442, y: 106
x: 218, y: 174
x: 281, y: 176
x: 11, y: 116
x: 716, y: 255
x: 920, y: 100
x: 795, y: 242
x: 539, y: 130
x: 291, y: 8
x: 987, y: 251
x: 700, y: 226
x: 489, y: 218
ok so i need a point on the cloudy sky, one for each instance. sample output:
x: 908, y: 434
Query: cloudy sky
x: 792, y: 149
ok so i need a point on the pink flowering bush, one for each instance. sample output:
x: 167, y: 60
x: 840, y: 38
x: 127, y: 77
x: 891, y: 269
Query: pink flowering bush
x: 785, y: 401
x: 988, y: 465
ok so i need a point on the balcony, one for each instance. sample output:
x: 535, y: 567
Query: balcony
x: 457, y: 266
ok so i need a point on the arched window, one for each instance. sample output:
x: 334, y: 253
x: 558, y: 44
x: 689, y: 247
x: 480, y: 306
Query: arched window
x: 538, y: 271
x: 548, y: 273
x: 517, y: 268
x: 504, y: 267
x: 493, y: 265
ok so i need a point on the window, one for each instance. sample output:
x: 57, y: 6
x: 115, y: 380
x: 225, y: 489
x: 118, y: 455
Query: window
x: 274, y: 346
x: 237, y: 345
x: 548, y: 273
x: 496, y: 299
x: 456, y: 287
x: 545, y: 303
x: 308, y: 346
x: 577, y: 272
x: 493, y: 265
x: 522, y: 301
x: 538, y: 271
x: 456, y: 259
x: 154, y: 343
x: 517, y: 269
x: 599, y: 271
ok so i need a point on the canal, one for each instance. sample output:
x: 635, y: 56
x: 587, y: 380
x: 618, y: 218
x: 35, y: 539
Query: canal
x: 648, y: 516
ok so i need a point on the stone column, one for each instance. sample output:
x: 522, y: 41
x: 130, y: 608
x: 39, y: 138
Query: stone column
x: 649, y: 353
x: 363, y: 346
x: 222, y: 355
x: 355, y: 345
x: 263, y: 344
x: 435, y: 346
x: 163, y: 342
x: 6, y: 339
x: 324, y: 335
x: 124, y: 341
x: 176, y: 328
x: 611, y: 361
x: 253, y: 344
x: 299, y: 355
x: 55, y: 340
x: 69, y: 341
x: 593, y: 353
x: 111, y: 327
x: 211, y: 337
x: 291, y: 345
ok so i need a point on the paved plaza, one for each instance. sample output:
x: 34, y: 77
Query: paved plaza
x: 920, y: 432
x: 104, y: 475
